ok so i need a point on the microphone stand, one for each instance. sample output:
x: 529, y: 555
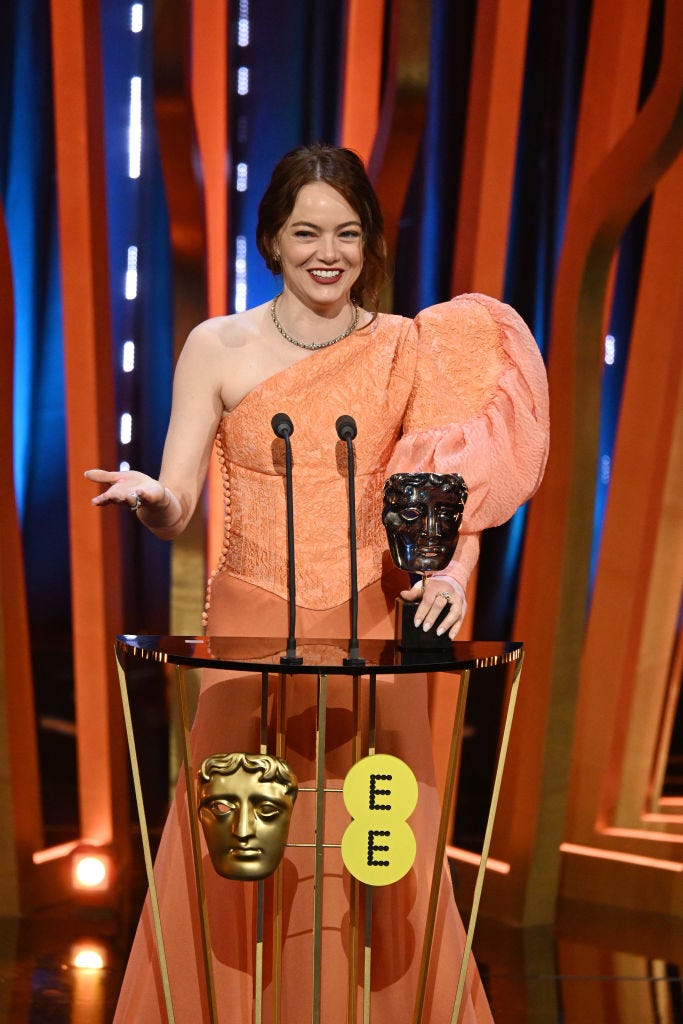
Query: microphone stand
x: 346, y: 431
x: 284, y: 428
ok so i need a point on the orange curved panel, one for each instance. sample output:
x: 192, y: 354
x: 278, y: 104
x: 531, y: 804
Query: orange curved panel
x: 553, y: 587
x: 22, y: 830
x: 362, y: 75
x: 490, y: 153
x: 402, y: 112
x: 640, y: 572
x: 209, y: 89
x: 95, y: 549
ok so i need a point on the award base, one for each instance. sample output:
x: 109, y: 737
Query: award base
x: 410, y: 637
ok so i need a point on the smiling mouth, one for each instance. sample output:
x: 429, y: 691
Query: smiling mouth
x: 325, y: 276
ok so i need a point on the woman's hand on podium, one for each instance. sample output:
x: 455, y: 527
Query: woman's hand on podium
x: 438, y: 591
x: 128, y: 488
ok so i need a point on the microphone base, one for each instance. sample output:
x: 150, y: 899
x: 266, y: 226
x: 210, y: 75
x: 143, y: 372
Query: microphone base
x: 410, y: 637
x: 291, y: 657
x: 353, y: 658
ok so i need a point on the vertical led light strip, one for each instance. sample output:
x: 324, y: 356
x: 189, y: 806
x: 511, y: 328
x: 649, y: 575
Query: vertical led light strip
x: 135, y: 127
x: 128, y: 357
x: 242, y: 177
x: 136, y: 18
x: 126, y: 432
x: 243, y: 26
x: 605, y: 457
x: 131, y: 283
x: 242, y: 168
x: 242, y: 81
x: 240, y: 274
x: 126, y: 428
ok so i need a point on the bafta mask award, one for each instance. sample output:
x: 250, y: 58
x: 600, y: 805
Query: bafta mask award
x: 245, y: 804
x: 422, y: 513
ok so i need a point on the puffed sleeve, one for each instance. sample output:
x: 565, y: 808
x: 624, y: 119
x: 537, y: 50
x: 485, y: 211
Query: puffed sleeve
x: 478, y: 406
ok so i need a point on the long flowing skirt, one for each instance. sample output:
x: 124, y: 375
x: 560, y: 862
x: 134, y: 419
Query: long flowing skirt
x: 228, y: 719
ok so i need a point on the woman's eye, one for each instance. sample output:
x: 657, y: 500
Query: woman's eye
x: 410, y: 514
x: 351, y: 234
x: 303, y: 234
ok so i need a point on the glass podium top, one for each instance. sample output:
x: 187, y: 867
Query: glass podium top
x: 255, y: 654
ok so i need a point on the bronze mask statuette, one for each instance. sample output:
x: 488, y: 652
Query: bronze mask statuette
x: 245, y: 806
x: 422, y: 513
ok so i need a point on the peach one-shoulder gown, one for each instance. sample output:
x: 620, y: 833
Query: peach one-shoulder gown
x: 462, y: 388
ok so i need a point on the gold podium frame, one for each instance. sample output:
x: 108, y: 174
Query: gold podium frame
x: 380, y: 658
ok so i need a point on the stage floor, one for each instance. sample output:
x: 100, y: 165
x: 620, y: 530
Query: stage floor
x: 591, y: 967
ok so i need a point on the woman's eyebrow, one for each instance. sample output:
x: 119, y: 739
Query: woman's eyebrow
x: 310, y: 224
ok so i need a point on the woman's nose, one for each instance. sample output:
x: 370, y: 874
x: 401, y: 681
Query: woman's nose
x: 327, y: 248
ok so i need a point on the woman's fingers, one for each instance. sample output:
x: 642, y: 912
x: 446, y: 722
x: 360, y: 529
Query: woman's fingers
x: 438, y: 593
x: 126, y: 488
x: 101, y: 476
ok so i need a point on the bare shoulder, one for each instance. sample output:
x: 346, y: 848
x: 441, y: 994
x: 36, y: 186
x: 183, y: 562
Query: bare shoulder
x: 226, y: 354
x: 222, y: 338
x: 228, y: 332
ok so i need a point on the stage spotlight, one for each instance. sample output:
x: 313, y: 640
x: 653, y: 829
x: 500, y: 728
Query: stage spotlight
x: 91, y: 869
x: 88, y: 960
x: 88, y: 956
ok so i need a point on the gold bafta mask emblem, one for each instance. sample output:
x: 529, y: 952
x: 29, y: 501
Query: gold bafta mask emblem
x: 245, y: 806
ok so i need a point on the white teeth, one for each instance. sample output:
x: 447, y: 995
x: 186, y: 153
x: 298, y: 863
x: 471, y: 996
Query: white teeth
x: 325, y: 273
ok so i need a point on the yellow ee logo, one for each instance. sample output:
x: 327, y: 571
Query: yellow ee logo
x: 380, y: 793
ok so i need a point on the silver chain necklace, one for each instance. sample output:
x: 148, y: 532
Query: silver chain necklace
x: 314, y: 344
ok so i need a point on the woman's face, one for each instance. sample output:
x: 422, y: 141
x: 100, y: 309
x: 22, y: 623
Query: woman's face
x: 321, y: 247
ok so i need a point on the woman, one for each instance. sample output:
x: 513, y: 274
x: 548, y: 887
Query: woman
x: 460, y: 389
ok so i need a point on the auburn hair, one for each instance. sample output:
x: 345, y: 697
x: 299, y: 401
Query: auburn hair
x: 343, y: 170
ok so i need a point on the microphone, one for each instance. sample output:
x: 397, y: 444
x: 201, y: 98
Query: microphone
x: 284, y: 428
x: 282, y: 425
x: 346, y: 428
x: 346, y: 431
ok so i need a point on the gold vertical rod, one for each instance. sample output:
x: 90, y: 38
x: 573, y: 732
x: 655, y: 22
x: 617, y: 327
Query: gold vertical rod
x: 190, y: 783
x: 479, y: 884
x: 258, y: 963
x: 258, y: 958
x: 354, y: 895
x: 280, y: 749
x: 147, y: 853
x: 264, y: 713
x: 319, y: 838
x: 372, y: 714
x: 367, y: 948
x: 367, y: 954
x: 453, y: 761
x: 669, y: 709
x: 280, y: 726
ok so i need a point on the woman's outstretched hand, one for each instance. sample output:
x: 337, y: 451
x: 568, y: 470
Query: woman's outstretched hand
x: 128, y: 488
x: 439, y: 591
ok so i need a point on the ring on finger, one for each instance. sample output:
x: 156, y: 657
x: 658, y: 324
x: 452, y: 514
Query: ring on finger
x: 138, y: 503
x: 445, y: 594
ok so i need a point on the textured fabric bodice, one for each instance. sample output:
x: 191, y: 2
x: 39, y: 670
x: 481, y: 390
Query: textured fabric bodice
x: 460, y: 389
